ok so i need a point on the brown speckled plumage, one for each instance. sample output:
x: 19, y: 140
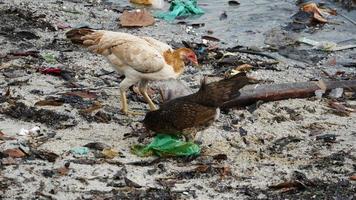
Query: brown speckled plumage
x: 192, y: 113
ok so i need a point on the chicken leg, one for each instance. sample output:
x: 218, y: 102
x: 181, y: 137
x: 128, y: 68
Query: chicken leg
x: 124, y: 85
x: 143, y: 90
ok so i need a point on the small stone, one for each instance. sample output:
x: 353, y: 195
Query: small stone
x: 261, y: 196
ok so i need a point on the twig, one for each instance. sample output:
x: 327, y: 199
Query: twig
x: 275, y: 92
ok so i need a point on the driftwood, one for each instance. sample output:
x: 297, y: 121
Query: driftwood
x: 275, y: 92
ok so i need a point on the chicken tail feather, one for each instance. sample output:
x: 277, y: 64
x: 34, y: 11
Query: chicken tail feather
x: 76, y: 35
x: 217, y: 93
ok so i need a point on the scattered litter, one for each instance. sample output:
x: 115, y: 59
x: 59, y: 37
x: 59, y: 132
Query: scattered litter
x: 63, y: 171
x: 211, y: 38
x: 50, y: 58
x: 82, y: 94
x: 353, y: 178
x: 80, y: 150
x: 167, y: 145
x: 19, y: 110
x: 96, y: 105
x: 110, y: 153
x: 25, y: 132
x: 341, y: 109
x: 233, y: 3
x: 51, y: 71
x: 34, y: 54
x: 136, y: 18
x: 319, y: 14
x: 319, y: 94
x: 325, y: 45
x: 50, y: 102
x: 239, y: 69
x: 336, y: 93
x: 326, y: 137
x: 180, y: 8
x: 130, y: 183
x: 45, y: 155
x: 97, y: 146
x: 14, y: 153
x: 223, y: 16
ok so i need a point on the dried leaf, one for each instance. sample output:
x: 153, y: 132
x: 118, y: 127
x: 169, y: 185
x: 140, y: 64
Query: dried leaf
x: 353, y: 177
x: 49, y: 102
x: 45, y: 155
x: 8, y: 92
x: 110, y: 153
x: 83, y: 94
x: 14, y: 153
x: 63, y: 171
x: 220, y: 157
x: 288, y: 186
x: 225, y: 171
x: 341, y: 109
x: 202, y: 168
x: 211, y: 38
x: 97, y: 146
x: 244, y: 68
x: 96, y: 105
x: 319, y: 14
x: 136, y: 18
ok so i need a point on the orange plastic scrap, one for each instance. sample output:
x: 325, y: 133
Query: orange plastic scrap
x: 319, y: 14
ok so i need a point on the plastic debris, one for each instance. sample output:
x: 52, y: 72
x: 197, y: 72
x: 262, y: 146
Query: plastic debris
x: 49, y: 58
x: 164, y: 145
x: 325, y: 45
x: 24, y: 132
x: 180, y: 8
x: 336, y: 93
x: 319, y: 93
x: 80, y: 150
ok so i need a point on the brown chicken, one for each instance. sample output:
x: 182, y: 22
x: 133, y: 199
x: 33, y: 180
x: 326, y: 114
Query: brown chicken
x: 189, y: 114
x: 140, y: 59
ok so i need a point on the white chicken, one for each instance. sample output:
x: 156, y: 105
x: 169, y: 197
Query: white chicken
x: 140, y: 59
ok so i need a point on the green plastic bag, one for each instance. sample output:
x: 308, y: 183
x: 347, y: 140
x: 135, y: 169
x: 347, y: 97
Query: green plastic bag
x: 167, y: 145
x: 180, y: 8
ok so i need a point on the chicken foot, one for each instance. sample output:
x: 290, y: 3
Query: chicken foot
x: 124, y: 85
x: 143, y: 90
